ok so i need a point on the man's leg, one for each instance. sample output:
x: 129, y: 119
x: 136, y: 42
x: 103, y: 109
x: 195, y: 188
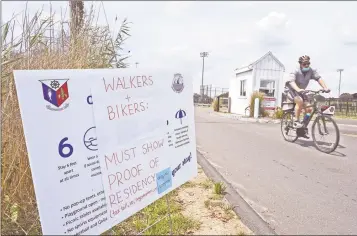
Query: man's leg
x: 298, y: 107
x: 307, y: 110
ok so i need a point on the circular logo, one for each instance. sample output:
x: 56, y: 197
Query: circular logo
x: 177, y: 83
x: 90, y: 139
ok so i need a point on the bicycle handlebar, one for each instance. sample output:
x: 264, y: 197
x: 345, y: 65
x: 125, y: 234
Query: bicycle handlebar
x: 315, y: 92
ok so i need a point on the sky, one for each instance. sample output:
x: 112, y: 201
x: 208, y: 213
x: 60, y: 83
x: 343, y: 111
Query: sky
x: 171, y: 35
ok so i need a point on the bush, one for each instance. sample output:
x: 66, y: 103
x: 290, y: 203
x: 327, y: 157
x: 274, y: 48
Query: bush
x: 259, y: 95
x: 278, y: 113
x: 215, y: 104
x: 219, y: 188
x: 264, y: 112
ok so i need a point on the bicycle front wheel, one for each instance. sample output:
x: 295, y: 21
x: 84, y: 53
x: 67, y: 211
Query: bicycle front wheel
x: 287, y: 129
x: 323, y: 127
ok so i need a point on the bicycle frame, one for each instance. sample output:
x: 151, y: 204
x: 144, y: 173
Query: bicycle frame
x: 315, y: 110
x: 323, y: 114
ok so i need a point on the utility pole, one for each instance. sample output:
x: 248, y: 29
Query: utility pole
x: 339, y: 84
x: 203, y: 55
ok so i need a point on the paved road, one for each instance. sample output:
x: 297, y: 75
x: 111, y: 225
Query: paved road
x: 347, y: 126
x: 293, y: 186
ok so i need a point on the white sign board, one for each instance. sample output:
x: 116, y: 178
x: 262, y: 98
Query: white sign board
x: 57, y: 114
x: 269, y: 103
x: 60, y: 136
x: 146, y: 133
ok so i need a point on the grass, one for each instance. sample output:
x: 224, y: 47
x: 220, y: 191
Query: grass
x: 87, y: 46
x: 219, y: 188
x: 216, y: 197
x: 207, y: 184
x: 346, y: 117
x: 241, y: 233
x: 154, y: 212
x: 188, y: 184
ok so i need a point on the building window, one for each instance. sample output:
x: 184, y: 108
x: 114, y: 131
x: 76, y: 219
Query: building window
x: 243, y: 89
x: 267, y: 87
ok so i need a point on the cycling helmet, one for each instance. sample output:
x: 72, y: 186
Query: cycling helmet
x: 304, y: 58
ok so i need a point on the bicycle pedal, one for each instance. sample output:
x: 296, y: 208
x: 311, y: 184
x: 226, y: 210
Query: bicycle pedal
x: 301, y: 132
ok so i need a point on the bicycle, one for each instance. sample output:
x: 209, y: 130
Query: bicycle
x: 324, y: 116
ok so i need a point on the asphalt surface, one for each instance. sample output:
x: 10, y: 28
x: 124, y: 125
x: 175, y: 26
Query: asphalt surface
x: 294, y: 187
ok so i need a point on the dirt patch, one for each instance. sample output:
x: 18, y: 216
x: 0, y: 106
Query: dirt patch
x: 213, y: 211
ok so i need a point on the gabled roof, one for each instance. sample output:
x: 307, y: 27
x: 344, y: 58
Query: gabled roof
x: 250, y: 66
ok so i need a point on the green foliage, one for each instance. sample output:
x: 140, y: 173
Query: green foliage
x: 215, y: 105
x: 256, y: 94
x: 219, y: 188
x: 154, y: 212
x: 278, y: 113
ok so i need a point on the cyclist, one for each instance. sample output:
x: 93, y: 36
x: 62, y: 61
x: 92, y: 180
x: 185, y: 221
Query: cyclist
x: 297, y: 83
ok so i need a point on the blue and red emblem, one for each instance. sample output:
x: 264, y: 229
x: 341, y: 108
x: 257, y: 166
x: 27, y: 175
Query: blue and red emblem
x: 55, y: 91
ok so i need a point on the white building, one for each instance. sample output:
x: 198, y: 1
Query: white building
x: 264, y: 75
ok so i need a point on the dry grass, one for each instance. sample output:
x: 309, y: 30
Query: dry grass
x: 90, y: 46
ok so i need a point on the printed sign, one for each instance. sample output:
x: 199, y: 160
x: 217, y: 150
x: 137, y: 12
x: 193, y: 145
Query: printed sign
x: 145, y: 129
x: 62, y: 146
x: 269, y: 103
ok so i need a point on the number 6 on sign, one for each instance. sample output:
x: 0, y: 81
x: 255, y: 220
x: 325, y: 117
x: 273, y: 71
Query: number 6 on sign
x: 63, y: 145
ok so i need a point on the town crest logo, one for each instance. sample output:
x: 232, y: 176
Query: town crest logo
x: 55, y: 91
x: 177, y: 83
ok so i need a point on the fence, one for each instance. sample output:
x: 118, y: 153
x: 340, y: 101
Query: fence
x: 208, y: 93
x: 344, y: 107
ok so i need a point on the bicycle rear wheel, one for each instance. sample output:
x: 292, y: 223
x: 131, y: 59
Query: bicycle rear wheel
x: 319, y: 128
x: 287, y: 122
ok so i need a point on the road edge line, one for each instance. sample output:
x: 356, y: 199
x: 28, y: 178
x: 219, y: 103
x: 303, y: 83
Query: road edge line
x: 247, y: 214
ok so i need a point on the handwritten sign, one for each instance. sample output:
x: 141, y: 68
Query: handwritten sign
x: 145, y: 128
x: 57, y: 116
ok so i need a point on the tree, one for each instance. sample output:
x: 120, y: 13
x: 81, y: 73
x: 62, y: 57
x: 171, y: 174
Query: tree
x: 346, y: 96
x: 77, y: 15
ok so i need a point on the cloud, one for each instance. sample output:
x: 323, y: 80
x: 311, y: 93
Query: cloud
x: 349, y: 35
x: 170, y: 35
x: 273, y: 21
x: 274, y: 29
x: 177, y: 7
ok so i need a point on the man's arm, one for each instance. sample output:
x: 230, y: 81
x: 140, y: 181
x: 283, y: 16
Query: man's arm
x: 316, y: 76
x: 322, y: 84
x: 293, y: 83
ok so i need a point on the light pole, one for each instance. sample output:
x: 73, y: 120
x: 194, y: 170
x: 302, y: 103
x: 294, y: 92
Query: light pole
x: 203, y: 55
x: 339, y: 84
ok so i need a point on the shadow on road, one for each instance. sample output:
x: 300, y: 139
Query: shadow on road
x: 309, y: 143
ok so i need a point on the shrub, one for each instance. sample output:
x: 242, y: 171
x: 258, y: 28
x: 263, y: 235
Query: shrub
x: 219, y: 188
x: 278, y: 113
x: 215, y: 105
x: 254, y: 95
